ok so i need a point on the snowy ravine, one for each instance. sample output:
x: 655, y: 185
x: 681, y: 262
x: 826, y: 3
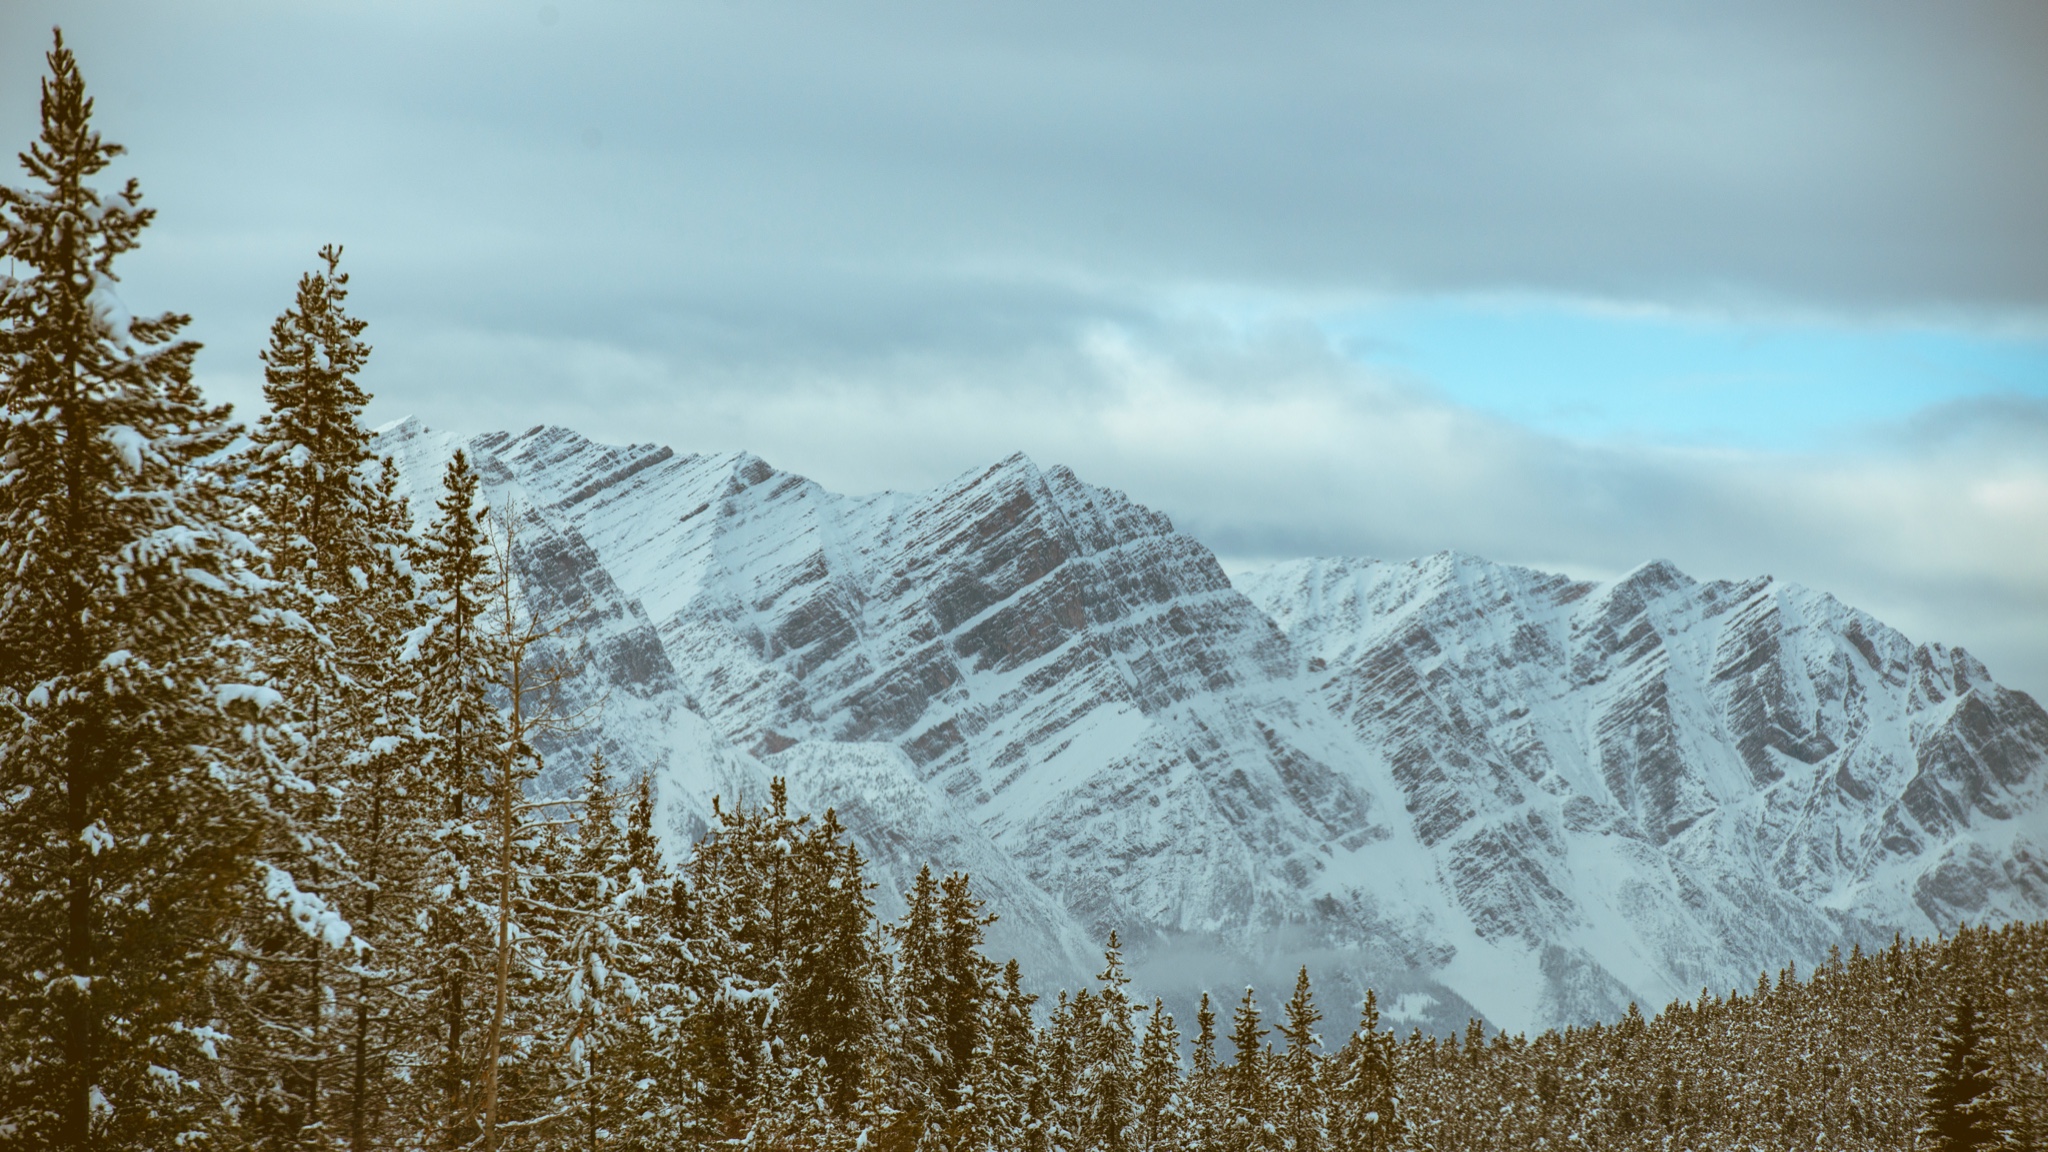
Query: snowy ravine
x: 1479, y: 788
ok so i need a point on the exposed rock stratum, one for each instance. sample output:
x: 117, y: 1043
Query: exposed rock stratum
x: 1480, y: 788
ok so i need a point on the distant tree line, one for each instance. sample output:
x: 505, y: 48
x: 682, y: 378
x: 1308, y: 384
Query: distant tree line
x: 274, y: 872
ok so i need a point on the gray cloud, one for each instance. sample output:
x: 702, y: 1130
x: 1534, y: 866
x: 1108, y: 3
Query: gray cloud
x: 882, y: 243
x: 1266, y: 445
x: 871, y: 175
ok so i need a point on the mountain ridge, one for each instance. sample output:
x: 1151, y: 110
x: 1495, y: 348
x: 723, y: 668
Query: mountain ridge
x: 1323, y: 759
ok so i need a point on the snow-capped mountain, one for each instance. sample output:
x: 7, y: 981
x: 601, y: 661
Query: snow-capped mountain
x: 1481, y: 789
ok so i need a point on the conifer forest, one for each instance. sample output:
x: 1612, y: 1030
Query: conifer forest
x: 275, y: 874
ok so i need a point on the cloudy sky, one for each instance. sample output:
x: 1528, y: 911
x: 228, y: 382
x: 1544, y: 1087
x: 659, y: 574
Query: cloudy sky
x: 1752, y: 287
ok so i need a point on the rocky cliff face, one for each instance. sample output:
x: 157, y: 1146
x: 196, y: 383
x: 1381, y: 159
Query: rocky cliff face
x: 1671, y: 781
x: 1478, y: 787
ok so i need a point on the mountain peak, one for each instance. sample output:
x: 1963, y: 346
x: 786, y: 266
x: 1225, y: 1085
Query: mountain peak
x: 1656, y: 576
x: 406, y: 426
x: 1483, y: 785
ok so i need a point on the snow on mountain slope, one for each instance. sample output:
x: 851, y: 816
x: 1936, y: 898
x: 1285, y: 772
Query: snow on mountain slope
x: 1684, y: 779
x: 1474, y: 786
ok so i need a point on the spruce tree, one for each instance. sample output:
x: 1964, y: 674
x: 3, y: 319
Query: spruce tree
x: 643, y: 844
x: 130, y: 720
x: 339, y: 542
x: 1012, y: 1068
x: 454, y: 659
x: 603, y: 1000
x: 657, y: 939
x: 716, y: 1053
x: 921, y: 997
x: 833, y: 1011
x: 1056, y: 1106
x: 1248, y: 1083
x: 1301, y: 1104
x: 969, y: 981
x: 1962, y: 1106
x: 787, y: 983
x: 1109, y: 1074
x: 384, y: 826
x: 1207, y: 1108
x: 1161, y: 1102
x: 1364, y: 1112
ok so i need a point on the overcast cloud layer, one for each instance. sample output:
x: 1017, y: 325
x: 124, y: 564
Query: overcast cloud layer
x: 883, y: 243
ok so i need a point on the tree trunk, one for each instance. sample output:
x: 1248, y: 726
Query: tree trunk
x: 359, y: 1088
x: 504, y: 972
x: 508, y: 820
x: 82, y: 758
x: 78, y: 954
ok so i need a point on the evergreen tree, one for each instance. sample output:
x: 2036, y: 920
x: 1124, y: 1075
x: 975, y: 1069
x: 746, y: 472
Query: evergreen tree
x: 1162, y: 1105
x: 454, y: 659
x: 1300, y: 1072
x: 1207, y: 1105
x: 312, y: 468
x: 1108, y: 1074
x: 833, y: 1009
x: 1963, y: 1108
x: 384, y: 824
x: 1248, y: 1083
x: 655, y: 936
x: 682, y: 993
x: 130, y: 722
x: 1205, y: 1038
x: 788, y: 974
x: 339, y: 542
x: 1057, y: 1117
x: 920, y: 986
x: 1011, y: 1067
x: 643, y: 844
x: 969, y: 981
x: 1364, y: 1112
x: 603, y: 1000
x: 729, y: 971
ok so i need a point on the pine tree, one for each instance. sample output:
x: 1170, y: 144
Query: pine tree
x: 921, y: 995
x: 1011, y: 1068
x: 1207, y: 1104
x: 603, y: 1000
x: 453, y: 660
x: 683, y: 992
x: 1301, y: 1082
x: 643, y: 844
x: 787, y: 985
x: 1056, y: 1112
x: 727, y: 980
x: 129, y: 720
x: 1962, y: 1105
x: 1109, y: 1074
x: 969, y: 980
x: 656, y: 938
x: 497, y: 922
x: 312, y: 468
x: 1364, y: 1112
x: 1248, y: 1083
x: 1162, y: 1105
x: 339, y: 542
x: 384, y: 825
x: 832, y: 1010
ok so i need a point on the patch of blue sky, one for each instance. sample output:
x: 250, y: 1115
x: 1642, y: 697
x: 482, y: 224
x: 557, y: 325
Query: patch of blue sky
x: 1595, y: 373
